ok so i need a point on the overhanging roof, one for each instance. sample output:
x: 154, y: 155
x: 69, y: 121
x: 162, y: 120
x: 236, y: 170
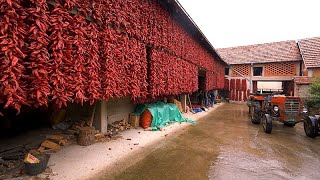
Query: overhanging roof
x: 181, y: 16
x: 284, y: 51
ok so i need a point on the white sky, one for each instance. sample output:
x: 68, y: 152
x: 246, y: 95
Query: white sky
x: 228, y: 23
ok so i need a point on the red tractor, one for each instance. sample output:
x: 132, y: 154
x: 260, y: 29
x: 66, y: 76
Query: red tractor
x: 285, y: 109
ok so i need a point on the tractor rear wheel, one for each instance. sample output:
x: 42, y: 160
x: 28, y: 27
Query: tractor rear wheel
x: 267, y: 123
x: 310, y: 126
x: 255, y: 113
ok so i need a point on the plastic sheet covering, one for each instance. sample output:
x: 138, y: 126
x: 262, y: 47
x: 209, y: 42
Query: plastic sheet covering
x: 163, y: 114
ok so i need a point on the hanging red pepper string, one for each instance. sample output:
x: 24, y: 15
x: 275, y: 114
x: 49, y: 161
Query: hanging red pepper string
x: 13, y: 88
x: 38, y: 55
x: 60, y: 61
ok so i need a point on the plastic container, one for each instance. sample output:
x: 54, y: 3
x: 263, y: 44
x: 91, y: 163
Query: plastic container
x: 145, y: 119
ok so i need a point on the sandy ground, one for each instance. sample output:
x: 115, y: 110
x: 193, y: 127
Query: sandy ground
x: 78, y: 162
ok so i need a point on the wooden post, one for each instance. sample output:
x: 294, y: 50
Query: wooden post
x: 183, y: 100
x: 100, y: 118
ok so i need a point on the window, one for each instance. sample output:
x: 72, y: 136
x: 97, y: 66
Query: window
x: 257, y: 71
x: 226, y: 71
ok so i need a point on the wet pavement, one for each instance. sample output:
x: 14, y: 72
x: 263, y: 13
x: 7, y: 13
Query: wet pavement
x: 226, y: 145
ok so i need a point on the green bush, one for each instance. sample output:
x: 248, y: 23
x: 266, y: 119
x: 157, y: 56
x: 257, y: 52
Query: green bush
x: 314, y: 93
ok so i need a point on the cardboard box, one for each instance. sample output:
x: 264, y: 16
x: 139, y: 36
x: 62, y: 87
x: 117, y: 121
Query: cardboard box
x: 134, y: 120
x: 177, y: 103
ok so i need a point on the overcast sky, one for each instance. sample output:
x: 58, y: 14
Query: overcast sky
x: 228, y: 23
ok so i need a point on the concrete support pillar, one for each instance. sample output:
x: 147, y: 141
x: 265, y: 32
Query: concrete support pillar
x: 183, y: 100
x: 251, y: 76
x: 100, y: 118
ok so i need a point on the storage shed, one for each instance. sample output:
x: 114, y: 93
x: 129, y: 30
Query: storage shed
x: 58, y: 52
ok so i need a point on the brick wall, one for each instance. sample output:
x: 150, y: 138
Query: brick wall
x: 269, y: 69
x: 316, y: 72
x: 280, y: 69
x: 243, y: 69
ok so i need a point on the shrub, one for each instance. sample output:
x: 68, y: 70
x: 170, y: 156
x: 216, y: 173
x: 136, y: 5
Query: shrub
x: 313, y: 100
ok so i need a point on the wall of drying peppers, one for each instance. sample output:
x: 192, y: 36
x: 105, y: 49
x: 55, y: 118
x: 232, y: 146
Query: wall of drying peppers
x: 81, y: 50
x: 171, y: 75
x: 238, y: 90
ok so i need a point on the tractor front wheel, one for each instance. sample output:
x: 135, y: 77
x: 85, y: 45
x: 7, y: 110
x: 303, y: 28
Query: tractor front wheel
x: 255, y: 113
x: 267, y: 123
x: 310, y: 126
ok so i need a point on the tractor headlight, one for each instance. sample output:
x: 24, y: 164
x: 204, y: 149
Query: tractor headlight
x: 304, y: 110
x: 276, y: 108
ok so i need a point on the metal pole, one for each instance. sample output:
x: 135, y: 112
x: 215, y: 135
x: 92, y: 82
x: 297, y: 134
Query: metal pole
x: 251, y: 76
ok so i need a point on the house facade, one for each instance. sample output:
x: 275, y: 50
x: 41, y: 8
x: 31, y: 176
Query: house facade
x: 260, y: 68
x: 310, y: 51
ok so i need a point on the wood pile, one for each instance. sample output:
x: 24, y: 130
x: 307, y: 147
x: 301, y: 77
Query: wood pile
x: 118, y: 126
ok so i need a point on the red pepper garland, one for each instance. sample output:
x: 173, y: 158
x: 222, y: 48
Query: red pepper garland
x: 92, y: 65
x: 232, y: 88
x: 38, y: 55
x: 138, y: 73
x: 238, y: 84
x: 171, y: 75
x: 159, y: 70
x: 13, y: 88
x: 76, y: 63
x: 61, y: 64
x: 237, y: 95
x: 210, y: 81
x: 123, y: 65
x: 226, y: 85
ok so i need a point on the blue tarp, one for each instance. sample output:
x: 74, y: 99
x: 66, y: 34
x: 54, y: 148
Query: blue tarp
x: 162, y: 114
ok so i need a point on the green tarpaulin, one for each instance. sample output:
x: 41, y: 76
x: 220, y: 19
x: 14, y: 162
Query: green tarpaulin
x: 162, y: 114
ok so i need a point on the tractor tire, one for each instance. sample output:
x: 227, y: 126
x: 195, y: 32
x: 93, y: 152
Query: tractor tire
x: 255, y: 113
x: 267, y: 123
x: 310, y: 126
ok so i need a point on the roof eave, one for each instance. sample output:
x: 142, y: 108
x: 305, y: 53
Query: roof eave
x: 191, y: 24
x: 265, y: 62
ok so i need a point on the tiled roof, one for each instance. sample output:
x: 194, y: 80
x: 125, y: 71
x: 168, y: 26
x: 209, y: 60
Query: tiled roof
x: 302, y: 80
x: 310, y: 50
x: 283, y: 51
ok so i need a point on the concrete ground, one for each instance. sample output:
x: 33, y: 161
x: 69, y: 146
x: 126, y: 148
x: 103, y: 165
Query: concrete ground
x: 223, y: 145
x: 78, y: 162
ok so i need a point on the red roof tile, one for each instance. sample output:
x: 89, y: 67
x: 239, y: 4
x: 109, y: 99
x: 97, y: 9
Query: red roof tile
x: 310, y: 50
x: 283, y: 51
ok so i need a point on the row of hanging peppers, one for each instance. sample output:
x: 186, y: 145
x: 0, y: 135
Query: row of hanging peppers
x: 238, y: 90
x: 80, y: 50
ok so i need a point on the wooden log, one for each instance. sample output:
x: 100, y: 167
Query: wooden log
x: 86, y: 136
x: 50, y: 145
x: 56, y: 137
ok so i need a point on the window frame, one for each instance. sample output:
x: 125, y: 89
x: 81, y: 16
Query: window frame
x: 253, y: 70
x: 225, y: 70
